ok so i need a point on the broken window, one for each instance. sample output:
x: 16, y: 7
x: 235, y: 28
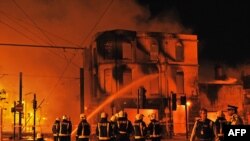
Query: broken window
x: 179, y: 50
x: 153, y: 50
x: 126, y: 50
x: 108, y: 50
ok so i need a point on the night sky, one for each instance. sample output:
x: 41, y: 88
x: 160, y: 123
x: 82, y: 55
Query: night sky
x: 222, y: 26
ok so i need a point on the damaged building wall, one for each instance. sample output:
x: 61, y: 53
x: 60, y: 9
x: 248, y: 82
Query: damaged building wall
x: 218, y: 96
x: 227, y: 86
x: 166, y: 62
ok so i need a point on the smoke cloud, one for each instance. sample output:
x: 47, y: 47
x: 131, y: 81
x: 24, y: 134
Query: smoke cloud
x: 53, y: 74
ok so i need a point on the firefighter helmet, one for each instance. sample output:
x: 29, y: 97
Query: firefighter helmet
x: 83, y: 116
x: 104, y: 115
x: 57, y: 119
x: 121, y: 114
x: 113, y: 118
x: 116, y: 115
x: 64, y: 117
x: 139, y: 116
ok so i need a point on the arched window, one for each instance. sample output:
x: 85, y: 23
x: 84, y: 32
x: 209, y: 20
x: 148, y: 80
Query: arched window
x: 126, y: 50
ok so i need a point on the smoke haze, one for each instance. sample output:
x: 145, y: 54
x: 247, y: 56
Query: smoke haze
x: 53, y: 74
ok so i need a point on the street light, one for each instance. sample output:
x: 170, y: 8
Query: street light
x: 188, y: 106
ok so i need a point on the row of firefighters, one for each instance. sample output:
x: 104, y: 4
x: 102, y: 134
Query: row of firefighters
x: 118, y: 128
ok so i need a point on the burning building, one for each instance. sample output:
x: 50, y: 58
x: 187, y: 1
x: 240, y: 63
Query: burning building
x: 224, y: 90
x: 121, y: 63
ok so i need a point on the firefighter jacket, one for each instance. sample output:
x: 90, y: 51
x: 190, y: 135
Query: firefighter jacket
x: 70, y: 126
x: 220, y: 124
x: 55, y: 128
x: 83, y: 130
x: 65, y: 128
x: 125, y: 126
x: 115, y: 131
x: 140, y: 129
x: 154, y: 129
x: 204, y: 130
x: 104, y: 130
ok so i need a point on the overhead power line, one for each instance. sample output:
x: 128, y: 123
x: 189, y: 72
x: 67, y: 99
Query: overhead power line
x: 97, y: 22
x: 41, y: 46
x: 33, y: 22
x: 43, y: 33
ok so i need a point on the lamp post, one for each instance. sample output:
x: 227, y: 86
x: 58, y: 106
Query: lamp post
x: 188, y: 104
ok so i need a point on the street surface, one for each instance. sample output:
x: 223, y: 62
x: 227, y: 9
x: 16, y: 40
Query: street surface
x: 48, y: 137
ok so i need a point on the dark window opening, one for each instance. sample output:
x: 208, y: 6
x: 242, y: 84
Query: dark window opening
x: 179, y: 52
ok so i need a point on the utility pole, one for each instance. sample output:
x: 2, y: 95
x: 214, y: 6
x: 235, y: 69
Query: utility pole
x: 34, y: 126
x: 14, y: 111
x: 82, y: 90
x: 186, y: 120
x: 1, y: 122
x: 138, y: 101
x: 20, y: 112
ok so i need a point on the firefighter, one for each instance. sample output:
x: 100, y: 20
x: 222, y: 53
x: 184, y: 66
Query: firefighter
x: 103, y: 128
x: 83, y: 129
x: 64, y: 129
x: 140, y: 128
x: 113, y: 121
x: 70, y: 129
x: 55, y: 129
x: 204, y: 128
x: 220, y: 124
x: 235, y: 119
x: 125, y: 127
x: 154, y: 128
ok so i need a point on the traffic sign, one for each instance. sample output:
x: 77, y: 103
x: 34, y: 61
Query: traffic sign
x: 19, y: 107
